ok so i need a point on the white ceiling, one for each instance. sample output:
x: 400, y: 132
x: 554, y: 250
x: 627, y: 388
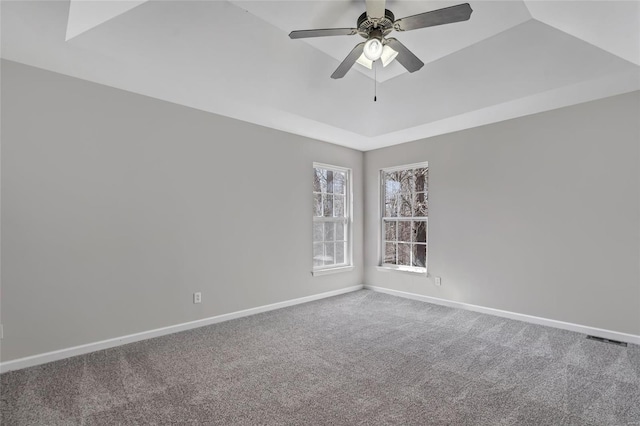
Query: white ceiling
x: 512, y: 58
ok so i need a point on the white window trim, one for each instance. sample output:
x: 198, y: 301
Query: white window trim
x: 404, y: 269
x: 332, y: 270
x: 386, y: 267
x: 348, y: 221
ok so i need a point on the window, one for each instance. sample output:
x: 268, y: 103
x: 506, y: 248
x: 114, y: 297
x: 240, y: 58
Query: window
x: 404, y: 217
x: 331, y: 218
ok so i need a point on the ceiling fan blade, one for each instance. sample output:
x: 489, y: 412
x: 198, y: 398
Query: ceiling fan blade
x: 323, y: 33
x: 375, y: 8
x: 408, y: 60
x: 448, y: 15
x: 348, y: 62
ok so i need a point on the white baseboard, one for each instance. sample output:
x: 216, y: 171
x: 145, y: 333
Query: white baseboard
x: 607, y: 334
x: 44, y: 358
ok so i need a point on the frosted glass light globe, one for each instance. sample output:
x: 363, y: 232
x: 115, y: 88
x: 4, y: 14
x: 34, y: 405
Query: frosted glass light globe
x: 373, y: 49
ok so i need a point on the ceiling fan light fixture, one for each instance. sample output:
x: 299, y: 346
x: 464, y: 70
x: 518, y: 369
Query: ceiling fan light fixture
x: 373, y: 49
x: 365, y: 62
x: 388, y: 55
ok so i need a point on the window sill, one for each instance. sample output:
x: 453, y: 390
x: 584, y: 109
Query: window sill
x: 410, y: 271
x: 319, y: 272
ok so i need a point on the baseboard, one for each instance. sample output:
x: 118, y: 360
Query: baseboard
x: 607, y: 334
x: 44, y: 358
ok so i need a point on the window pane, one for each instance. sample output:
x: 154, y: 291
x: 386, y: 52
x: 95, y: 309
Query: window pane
x: 391, y: 206
x: 391, y: 183
x: 420, y: 231
x: 406, y: 180
x: 318, y: 233
x: 420, y: 255
x: 328, y: 231
x: 338, y: 205
x: 317, y: 178
x: 329, y: 181
x: 328, y: 205
x: 340, y: 232
x: 419, y: 204
x: 329, y: 254
x: 404, y: 230
x: 421, y: 179
x: 404, y: 254
x: 340, y: 252
x: 390, y: 231
x: 405, y: 205
x: 322, y: 179
x: 390, y: 253
x: 318, y: 254
x: 317, y: 205
x: 339, y: 182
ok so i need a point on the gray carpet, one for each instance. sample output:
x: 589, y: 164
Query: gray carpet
x: 360, y: 358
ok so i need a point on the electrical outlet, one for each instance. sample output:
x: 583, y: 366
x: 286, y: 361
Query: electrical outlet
x: 438, y: 281
x: 197, y: 297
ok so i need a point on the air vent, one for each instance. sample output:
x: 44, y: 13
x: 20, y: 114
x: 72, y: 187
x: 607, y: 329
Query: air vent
x: 603, y: 340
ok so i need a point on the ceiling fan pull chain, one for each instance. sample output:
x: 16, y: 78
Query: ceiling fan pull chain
x: 375, y: 83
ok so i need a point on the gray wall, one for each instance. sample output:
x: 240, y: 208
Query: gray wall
x: 117, y: 207
x: 537, y: 215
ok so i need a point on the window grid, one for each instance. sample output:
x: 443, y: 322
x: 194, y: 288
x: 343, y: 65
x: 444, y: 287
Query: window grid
x: 405, y: 217
x: 331, y: 210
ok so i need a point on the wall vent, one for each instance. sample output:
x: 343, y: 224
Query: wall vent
x: 602, y: 339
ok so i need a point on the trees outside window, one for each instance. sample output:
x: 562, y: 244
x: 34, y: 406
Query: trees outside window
x: 405, y: 211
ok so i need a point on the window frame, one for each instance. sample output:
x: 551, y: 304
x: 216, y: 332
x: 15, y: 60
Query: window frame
x: 347, y: 265
x: 382, y: 266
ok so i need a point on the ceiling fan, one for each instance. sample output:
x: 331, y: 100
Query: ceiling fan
x: 375, y: 24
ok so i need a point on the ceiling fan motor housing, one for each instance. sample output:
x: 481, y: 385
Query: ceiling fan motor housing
x: 366, y: 25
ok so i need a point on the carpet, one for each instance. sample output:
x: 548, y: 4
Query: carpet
x: 359, y: 358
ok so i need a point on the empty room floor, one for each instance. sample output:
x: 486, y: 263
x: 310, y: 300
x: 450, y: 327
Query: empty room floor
x: 359, y: 358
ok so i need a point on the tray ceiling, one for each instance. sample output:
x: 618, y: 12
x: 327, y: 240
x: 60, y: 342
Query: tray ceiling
x: 512, y: 58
